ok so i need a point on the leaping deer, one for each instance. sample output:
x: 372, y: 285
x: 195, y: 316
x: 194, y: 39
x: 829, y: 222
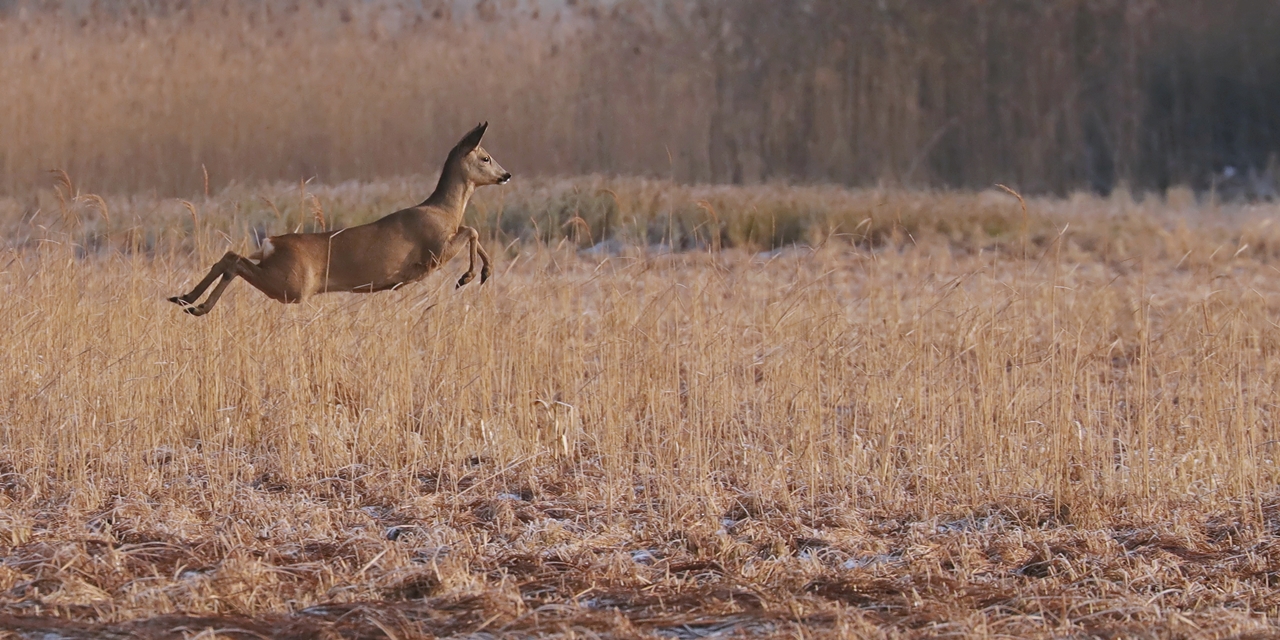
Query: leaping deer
x: 397, y: 249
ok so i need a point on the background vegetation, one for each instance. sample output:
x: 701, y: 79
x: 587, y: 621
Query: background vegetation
x: 1047, y: 96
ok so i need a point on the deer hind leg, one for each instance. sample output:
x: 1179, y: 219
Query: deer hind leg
x: 219, y: 269
x: 268, y: 281
x: 472, y: 238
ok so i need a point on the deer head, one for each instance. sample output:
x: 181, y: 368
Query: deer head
x: 473, y: 163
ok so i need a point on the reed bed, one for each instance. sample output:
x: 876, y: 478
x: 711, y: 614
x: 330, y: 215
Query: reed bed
x: 917, y: 415
x: 165, y: 96
x: 130, y: 99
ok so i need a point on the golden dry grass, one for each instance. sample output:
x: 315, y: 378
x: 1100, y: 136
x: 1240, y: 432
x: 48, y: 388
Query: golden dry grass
x: 902, y: 429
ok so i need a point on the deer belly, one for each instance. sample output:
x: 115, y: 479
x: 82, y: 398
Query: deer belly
x: 403, y: 278
x: 375, y: 278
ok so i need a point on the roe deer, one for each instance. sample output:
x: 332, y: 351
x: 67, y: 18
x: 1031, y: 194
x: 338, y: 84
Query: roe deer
x: 399, y: 248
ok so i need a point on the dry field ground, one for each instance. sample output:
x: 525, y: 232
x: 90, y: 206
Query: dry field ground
x: 928, y: 415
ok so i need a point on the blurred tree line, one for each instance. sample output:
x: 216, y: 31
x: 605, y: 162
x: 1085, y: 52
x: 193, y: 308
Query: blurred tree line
x: 1050, y: 95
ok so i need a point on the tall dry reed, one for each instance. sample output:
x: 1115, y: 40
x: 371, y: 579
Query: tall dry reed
x: 1052, y: 97
x: 929, y: 368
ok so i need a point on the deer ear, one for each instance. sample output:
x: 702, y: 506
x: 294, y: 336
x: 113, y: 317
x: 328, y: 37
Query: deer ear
x: 472, y: 140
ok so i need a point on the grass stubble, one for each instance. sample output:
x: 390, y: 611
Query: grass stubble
x: 916, y: 415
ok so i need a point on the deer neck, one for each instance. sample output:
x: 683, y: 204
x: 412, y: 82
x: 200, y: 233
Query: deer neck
x: 452, y: 194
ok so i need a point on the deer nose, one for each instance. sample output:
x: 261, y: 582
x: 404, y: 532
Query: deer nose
x: 505, y: 177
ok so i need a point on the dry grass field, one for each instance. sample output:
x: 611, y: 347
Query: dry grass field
x: 827, y: 413
x: 675, y: 411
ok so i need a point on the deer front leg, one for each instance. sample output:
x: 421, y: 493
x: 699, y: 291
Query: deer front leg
x: 472, y: 238
x: 485, y: 271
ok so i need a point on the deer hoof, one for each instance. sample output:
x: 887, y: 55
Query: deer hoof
x: 466, y: 277
x: 179, y: 300
x: 484, y: 275
x: 196, y: 311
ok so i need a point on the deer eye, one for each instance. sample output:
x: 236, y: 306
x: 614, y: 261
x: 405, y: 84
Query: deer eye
x: 485, y: 159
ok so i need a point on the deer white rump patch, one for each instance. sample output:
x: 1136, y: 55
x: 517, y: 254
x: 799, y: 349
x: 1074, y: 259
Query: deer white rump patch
x: 266, y: 249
